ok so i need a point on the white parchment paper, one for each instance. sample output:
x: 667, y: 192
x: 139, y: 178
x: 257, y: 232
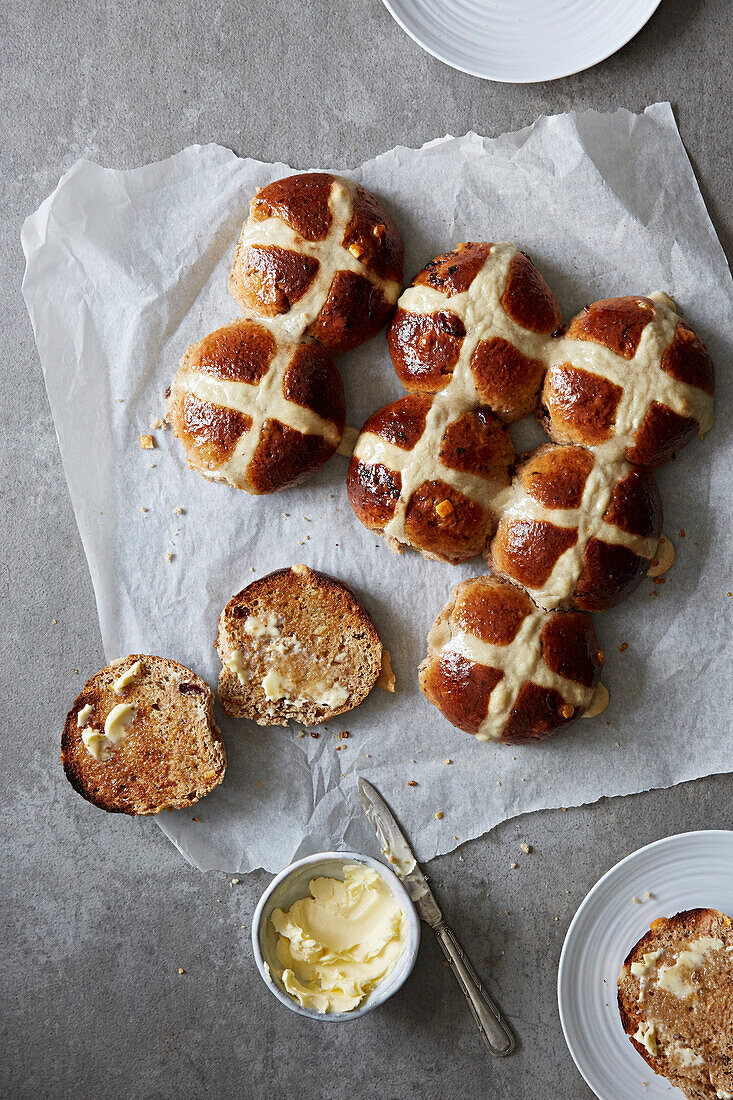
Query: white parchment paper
x: 125, y: 269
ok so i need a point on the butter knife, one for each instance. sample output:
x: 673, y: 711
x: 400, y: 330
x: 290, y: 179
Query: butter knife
x: 489, y: 1020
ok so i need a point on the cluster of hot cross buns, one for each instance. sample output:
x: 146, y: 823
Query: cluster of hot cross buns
x: 478, y: 342
x: 259, y: 404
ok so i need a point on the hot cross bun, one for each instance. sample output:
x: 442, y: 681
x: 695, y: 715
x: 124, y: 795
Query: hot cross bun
x: 259, y: 404
x: 476, y: 320
x: 256, y: 409
x: 323, y: 255
x: 504, y: 670
x: 576, y: 531
x: 629, y: 376
x: 427, y: 475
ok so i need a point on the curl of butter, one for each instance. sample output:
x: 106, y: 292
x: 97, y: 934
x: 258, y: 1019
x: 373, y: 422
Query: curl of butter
x: 598, y: 703
x: 82, y: 718
x: 235, y: 664
x: 98, y: 744
x: 663, y: 558
x: 643, y: 969
x: 127, y: 678
x: 647, y: 1036
x: 118, y: 719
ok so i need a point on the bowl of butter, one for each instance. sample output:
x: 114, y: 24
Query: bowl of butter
x: 334, y: 935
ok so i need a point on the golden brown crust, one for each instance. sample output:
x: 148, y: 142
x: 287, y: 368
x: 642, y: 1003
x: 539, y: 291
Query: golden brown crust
x: 270, y: 280
x: 527, y: 550
x: 269, y: 277
x: 616, y: 323
x: 661, y: 435
x: 238, y: 352
x: 491, y: 610
x: 688, y: 360
x: 441, y: 519
x: 285, y: 457
x: 555, y: 476
x: 312, y: 381
x: 354, y: 311
x: 173, y: 753
x: 373, y: 488
x: 402, y: 422
x: 374, y: 491
x: 454, y: 271
x: 478, y: 443
x: 321, y: 259
x: 506, y: 380
x: 581, y: 406
x: 610, y: 574
x: 538, y: 711
x: 458, y: 536
x: 373, y: 237
x: 636, y: 505
x: 614, y: 543
x: 570, y: 648
x: 528, y: 299
x: 209, y: 432
x: 424, y: 348
x: 301, y: 201
x: 459, y: 688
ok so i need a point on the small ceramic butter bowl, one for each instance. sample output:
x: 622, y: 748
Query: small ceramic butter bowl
x: 291, y: 885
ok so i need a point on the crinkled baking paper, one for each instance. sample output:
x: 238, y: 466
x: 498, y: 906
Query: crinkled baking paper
x: 125, y: 269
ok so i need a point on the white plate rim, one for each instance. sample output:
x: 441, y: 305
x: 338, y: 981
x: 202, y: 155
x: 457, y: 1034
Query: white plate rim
x: 665, y: 840
x: 646, y: 7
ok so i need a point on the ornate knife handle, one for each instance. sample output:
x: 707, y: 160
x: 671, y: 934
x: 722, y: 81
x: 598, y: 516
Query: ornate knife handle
x: 489, y: 1020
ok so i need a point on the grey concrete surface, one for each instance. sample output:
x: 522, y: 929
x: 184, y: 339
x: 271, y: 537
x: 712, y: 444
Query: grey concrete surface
x: 100, y: 912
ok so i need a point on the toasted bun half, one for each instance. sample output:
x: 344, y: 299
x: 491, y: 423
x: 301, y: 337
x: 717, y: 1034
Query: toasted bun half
x: 296, y: 646
x: 675, y: 997
x: 160, y: 750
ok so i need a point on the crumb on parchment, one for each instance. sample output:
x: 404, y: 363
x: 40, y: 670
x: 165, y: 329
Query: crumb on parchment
x: 147, y: 443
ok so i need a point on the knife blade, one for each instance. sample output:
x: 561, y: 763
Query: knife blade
x: 493, y: 1027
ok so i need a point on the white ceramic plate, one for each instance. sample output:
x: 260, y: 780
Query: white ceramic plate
x: 682, y: 872
x: 521, y: 41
